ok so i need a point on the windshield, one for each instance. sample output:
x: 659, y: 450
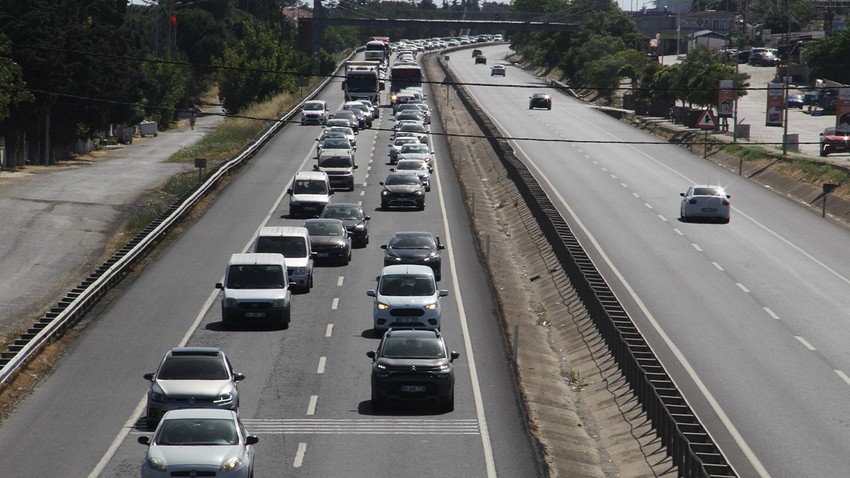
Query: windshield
x: 336, y: 162
x: 346, y: 130
x: 415, y: 148
x: 342, y: 212
x: 361, y: 85
x: 192, y: 368
x: 408, y: 285
x: 288, y: 246
x: 405, y: 140
x: 306, y: 186
x: 325, y: 228
x: 197, y: 432
x: 314, y: 107
x: 397, y: 179
x: 255, y: 276
x: 341, y: 143
x: 411, y: 242
x: 414, y: 127
x: 409, y: 347
x: 707, y: 192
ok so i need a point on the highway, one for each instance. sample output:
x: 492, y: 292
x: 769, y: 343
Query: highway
x: 750, y: 318
x: 306, y: 395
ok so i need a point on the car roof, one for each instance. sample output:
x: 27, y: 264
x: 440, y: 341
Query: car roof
x: 252, y: 258
x: 400, y: 269
x: 316, y: 175
x: 412, y: 233
x: 199, y: 413
x: 322, y: 220
x: 281, y: 231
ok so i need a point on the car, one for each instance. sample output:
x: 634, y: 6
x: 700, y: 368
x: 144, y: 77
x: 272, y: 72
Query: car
x: 406, y: 296
x: 310, y: 192
x: 415, y: 247
x: 497, y: 70
x: 347, y: 131
x: 366, y: 111
x: 338, y: 122
x: 400, y: 99
x: 418, y: 151
x: 705, y: 201
x: 314, y: 112
x: 476, y: 52
x: 420, y: 166
x: 376, y: 111
x: 354, y: 122
x: 480, y: 59
x: 794, y: 100
x: 352, y: 216
x: 334, y: 146
x: 294, y: 243
x: 397, y: 144
x: 199, y: 442
x: 834, y: 141
x: 540, y: 100
x: 764, y: 57
x: 410, y: 114
x: 413, y: 364
x: 404, y: 189
x: 329, y: 239
x: 191, y: 377
x: 418, y: 129
x: 339, y: 168
x: 256, y: 286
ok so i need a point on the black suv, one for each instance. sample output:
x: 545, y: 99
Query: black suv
x: 415, y: 247
x: 413, y: 364
x: 404, y: 189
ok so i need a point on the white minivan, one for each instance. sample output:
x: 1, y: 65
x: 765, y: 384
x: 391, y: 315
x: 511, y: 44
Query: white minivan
x: 294, y: 244
x: 256, y: 286
x: 310, y: 193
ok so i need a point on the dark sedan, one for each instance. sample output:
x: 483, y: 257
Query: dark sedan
x: 540, y: 100
x: 351, y: 215
x: 353, y: 121
x: 415, y: 247
x: 403, y: 188
x: 329, y: 240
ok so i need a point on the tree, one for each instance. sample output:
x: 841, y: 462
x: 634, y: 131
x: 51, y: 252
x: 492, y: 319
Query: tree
x: 13, y: 90
x: 828, y: 57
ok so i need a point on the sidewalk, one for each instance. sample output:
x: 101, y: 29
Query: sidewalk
x: 58, y: 220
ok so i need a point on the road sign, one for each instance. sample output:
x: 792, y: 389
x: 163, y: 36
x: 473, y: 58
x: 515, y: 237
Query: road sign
x: 707, y: 120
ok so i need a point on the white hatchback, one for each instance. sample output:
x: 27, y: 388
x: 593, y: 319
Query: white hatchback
x: 406, y: 296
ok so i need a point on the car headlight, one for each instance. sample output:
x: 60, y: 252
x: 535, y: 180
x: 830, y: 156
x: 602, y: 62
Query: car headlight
x: 383, y: 306
x: 419, y: 192
x: 360, y: 227
x: 159, y: 397
x: 432, y: 306
x: 427, y: 259
x: 300, y: 270
x: 157, y: 464
x: 231, y: 463
x: 279, y: 303
x: 394, y: 258
x: 223, y: 398
x: 385, y: 193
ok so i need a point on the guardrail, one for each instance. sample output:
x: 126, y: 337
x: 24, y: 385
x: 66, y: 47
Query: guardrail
x: 76, y: 303
x: 686, y: 440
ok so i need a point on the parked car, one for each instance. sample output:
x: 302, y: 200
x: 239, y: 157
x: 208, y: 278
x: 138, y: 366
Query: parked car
x: 191, y: 377
x: 415, y: 247
x: 764, y: 57
x: 406, y: 296
x: 330, y: 240
x: 352, y: 216
x: 413, y: 364
x: 540, y: 100
x: 794, y: 101
x: 834, y: 141
x: 705, y: 201
x: 199, y: 442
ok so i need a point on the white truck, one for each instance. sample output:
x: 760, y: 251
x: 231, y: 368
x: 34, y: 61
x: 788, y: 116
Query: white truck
x: 363, y: 80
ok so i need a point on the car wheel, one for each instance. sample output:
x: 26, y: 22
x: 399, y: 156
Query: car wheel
x: 421, y: 207
x: 384, y: 206
x: 287, y: 315
x: 549, y: 107
x: 377, y: 403
x: 310, y: 282
x: 226, y: 318
x: 823, y: 152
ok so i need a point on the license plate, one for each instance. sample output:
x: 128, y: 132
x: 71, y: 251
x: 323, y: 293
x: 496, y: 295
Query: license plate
x: 413, y: 388
x: 406, y: 320
x: 322, y: 254
x: 255, y: 315
x: 709, y: 209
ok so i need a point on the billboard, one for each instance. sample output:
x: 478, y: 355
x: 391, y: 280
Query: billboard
x: 725, y: 99
x: 775, y: 107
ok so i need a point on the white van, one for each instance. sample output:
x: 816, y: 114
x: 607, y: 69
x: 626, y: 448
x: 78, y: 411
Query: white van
x: 310, y: 193
x: 294, y: 244
x: 256, y: 286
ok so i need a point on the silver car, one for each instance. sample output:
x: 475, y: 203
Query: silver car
x: 421, y: 152
x: 198, y: 442
x: 406, y: 296
x: 192, y: 377
x: 421, y: 168
x: 705, y: 201
x: 397, y: 144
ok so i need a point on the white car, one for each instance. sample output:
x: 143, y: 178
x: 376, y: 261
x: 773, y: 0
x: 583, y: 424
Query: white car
x: 418, y: 151
x: 199, y: 442
x: 406, y: 296
x: 397, y: 144
x: 705, y: 201
x: 314, y: 112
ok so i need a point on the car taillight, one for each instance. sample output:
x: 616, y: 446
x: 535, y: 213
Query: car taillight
x: 725, y: 202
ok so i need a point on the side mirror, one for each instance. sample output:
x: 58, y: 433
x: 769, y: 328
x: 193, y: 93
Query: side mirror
x: 331, y: 192
x: 145, y: 440
x: 238, y: 377
x: 381, y: 183
x: 454, y: 355
x: 682, y: 194
x: 443, y: 292
x: 370, y: 292
x: 148, y: 376
x: 289, y: 191
x: 251, y: 440
x: 219, y: 285
x: 366, y: 218
x: 384, y: 246
x: 371, y: 354
x: 315, y: 167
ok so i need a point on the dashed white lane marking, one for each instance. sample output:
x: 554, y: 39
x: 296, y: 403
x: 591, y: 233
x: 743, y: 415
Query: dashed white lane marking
x: 717, y: 266
x: 697, y: 247
x: 321, y: 368
x: 342, y: 278
x: 662, y: 218
x: 329, y: 330
x: 335, y: 303
x: 678, y: 231
x: 624, y: 185
x: 363, y: 193
x: 805, y: 343
x: 843, y: 376
x: 368, y: 426
x: 299, y: 455
x: 648, y: 206
x: 636, y: 195
x: 311, y: 407
x: 771, y: 313
x: 742, y: 287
